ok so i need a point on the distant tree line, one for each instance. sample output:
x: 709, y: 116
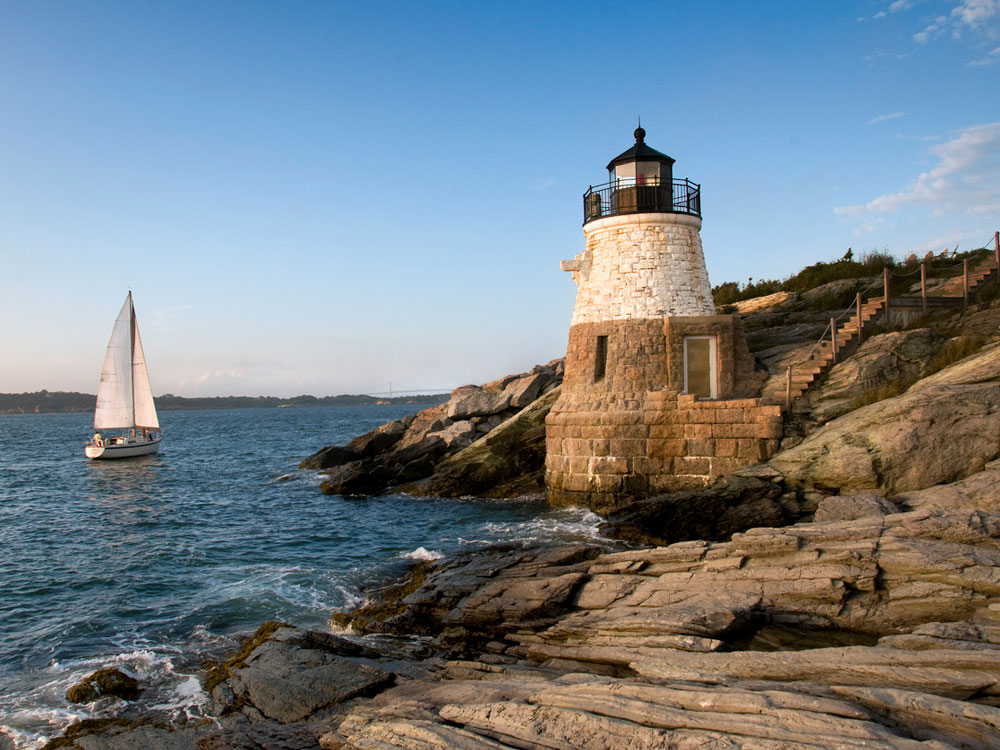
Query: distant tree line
x: 58, y: 402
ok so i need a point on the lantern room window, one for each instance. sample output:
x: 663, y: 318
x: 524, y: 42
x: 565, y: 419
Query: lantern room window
x: 640, y: 173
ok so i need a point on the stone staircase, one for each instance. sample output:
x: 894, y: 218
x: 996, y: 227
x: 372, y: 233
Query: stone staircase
x: 824, y: 355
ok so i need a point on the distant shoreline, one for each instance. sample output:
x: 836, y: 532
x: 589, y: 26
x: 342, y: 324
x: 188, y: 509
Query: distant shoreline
x: 60, y: 402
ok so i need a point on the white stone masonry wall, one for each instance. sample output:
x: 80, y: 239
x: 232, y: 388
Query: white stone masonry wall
x: 641, y: 266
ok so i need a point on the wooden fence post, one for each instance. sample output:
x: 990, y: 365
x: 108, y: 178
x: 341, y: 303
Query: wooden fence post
x: 788, y: 389
x: 833, y: 339
x: 965, y: 281
x: 860, y: 325
x: 923, y: 286
x: 885, y: 288
x: 996, y: 250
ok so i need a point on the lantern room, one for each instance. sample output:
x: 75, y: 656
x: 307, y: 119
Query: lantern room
x: 641, y: 180
x: 641, y: 165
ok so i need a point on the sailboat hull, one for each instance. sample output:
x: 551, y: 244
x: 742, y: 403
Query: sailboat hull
x: 126, y: 449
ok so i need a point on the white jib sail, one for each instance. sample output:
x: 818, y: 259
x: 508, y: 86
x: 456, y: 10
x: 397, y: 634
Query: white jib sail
x: 145, y: 410
x: 114, y: 395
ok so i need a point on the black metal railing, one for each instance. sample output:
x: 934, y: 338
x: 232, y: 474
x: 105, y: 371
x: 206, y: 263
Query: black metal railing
x: 629, y: 197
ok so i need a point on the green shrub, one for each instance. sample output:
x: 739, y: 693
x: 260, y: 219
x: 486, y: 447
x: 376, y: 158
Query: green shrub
x: 730, y: 291
x: 817, y: 274
x: 871, y: 263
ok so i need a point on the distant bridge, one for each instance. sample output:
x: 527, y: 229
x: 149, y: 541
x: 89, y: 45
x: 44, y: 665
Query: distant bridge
x: 394, y: 392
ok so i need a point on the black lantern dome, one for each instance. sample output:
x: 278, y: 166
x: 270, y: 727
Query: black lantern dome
x: 641, y: 180
x: 641, y: 163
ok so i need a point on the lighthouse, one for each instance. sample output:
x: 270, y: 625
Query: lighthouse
x: 649, y: 363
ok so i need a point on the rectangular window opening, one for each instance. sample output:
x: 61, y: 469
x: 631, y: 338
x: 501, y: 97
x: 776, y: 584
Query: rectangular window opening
x: 601, y: 358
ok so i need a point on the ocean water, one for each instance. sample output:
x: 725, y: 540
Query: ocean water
x: 155, y: 563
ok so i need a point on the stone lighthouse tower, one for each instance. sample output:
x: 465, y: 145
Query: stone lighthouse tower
x: 649, y: 365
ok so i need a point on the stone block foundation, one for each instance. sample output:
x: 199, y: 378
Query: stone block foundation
x: 622, y: 429
x: 607, y: 453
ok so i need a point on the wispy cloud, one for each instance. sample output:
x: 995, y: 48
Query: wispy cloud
x: 870, y: 225
x: 883, y: 118
x: 216, y: 375
x: 992, y: 58
x: 931, y: 31
x: 952, y: 239
x: 982, y: 17
x: 163, y: 320
x: 921, y: 138
x: 976, y: 14
x: 899, y: 5
x: 542, y: 183
x: 966, y: 179
x: 225, y: 381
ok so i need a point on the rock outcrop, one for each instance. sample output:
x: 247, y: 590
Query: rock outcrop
x: 875, y: 628
x: 104, y: 682
x: 732, y: 504
x: 294, y: 676
x: 428, y: 449
x: 509, y: 461
x: 942, y: 429
x: 980, y: 490
x: 882, y: 362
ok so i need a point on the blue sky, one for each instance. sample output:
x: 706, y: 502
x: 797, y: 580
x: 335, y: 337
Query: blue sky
x: 325, y: 197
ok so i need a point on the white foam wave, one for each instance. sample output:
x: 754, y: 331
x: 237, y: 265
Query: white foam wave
x: 140, y: 664
x: 186, y: 699
x: 31, y: 726
x: 341, y: 629
x: 423, y: 554
x: 204, y: 640
x: 352, y: 598
x: 294, y: 585
x: 571, y: 524
x: 31, y: 717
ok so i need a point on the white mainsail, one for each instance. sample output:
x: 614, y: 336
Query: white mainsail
x: 142, y: 394
x: 114, y: 395
x: 124, y: 397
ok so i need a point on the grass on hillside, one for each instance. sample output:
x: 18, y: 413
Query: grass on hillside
x: 872, y: 263
x: 953, y: 351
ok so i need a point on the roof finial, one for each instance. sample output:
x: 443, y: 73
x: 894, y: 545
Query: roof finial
x: 639, y: 132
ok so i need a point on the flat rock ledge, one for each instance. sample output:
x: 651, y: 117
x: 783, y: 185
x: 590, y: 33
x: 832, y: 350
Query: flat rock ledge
x: 878, y: 627
x: 880, y: 631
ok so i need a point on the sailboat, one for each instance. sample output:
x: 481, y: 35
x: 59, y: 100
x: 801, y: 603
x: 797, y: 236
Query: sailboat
x: 124, y: 398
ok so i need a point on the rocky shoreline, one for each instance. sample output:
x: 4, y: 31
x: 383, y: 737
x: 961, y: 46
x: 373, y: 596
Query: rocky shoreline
x: 487, y: 441
x: 872, y: 626
x: 845, y: 594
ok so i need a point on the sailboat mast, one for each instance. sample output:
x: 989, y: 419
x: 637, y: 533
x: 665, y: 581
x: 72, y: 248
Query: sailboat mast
x: 131, y: 353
